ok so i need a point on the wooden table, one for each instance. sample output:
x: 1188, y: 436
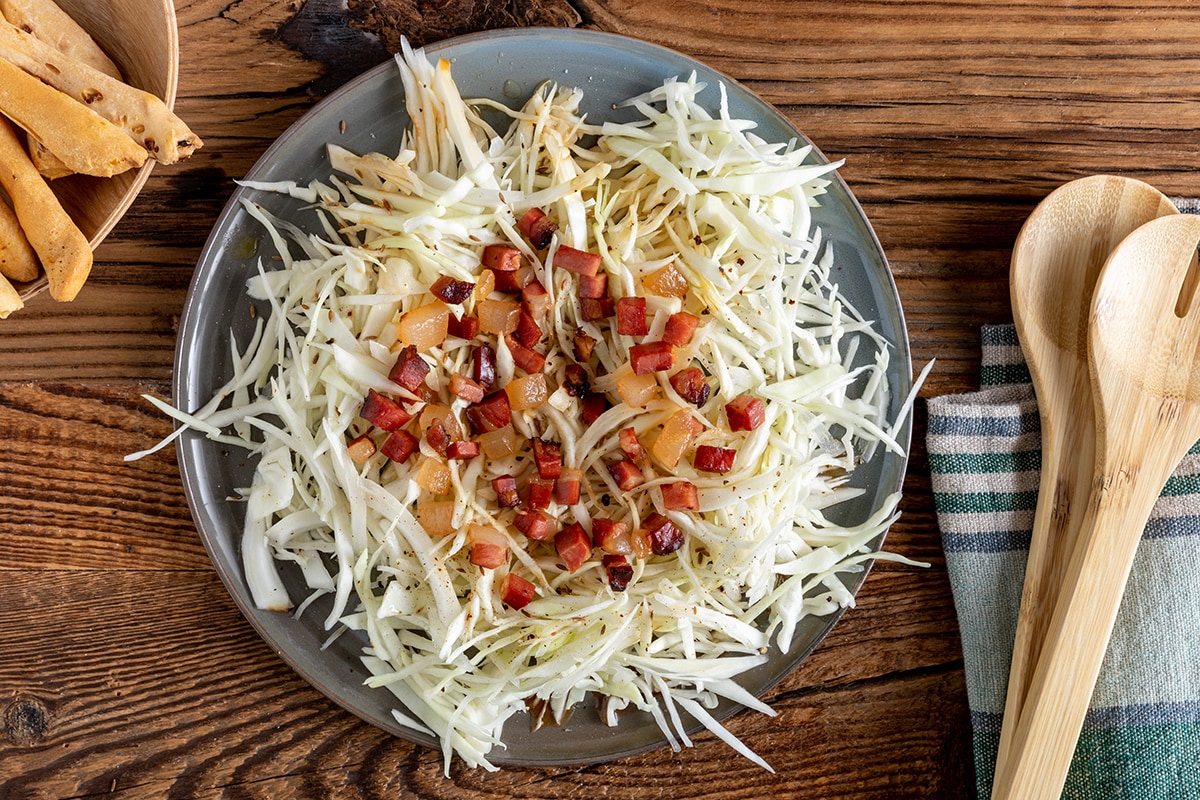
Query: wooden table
x: 125, y: 668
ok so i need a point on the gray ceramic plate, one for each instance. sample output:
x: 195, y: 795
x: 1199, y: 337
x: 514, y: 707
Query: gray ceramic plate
x: 368, y: 114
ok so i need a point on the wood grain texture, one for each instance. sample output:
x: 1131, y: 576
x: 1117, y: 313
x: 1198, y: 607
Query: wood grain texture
x: 125, y: 668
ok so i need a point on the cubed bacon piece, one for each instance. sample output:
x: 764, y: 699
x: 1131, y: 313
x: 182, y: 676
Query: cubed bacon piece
x: 536, y: 300
x: 618, y: 570
x: 485, y: 284
x: 514, y: 280
x: 636, y: 391
x: 483, y: 365
x: 627, y: 438
x: 639, y: 543
x: 467, y: 389
x: 593, y: 286
x: 498, y: 317
x: 425, y: 327
x: 400, y: 445
x: 527, y: 392
x: 681, y: 496
x: 409, y: 370
x: 594, y: 404
x: 524, y: 357
x: 438, y: 438
x: 462, y: 449
x: 438, y: 414
x: 575, y: 380
x: 631, y: 316
x: 437, y: 517
x: 666, y: 282
x: 714, y: 459
x: 516, y: 592
x: 568, y: 485
x: 573, y: 545
x: 432, y: 475
x: 501, y: 258
x: 489, y: 547
x: 548, y: 458
x: 452, y: 290
x: 383, y: 412
x: 533, y: 523
x: 506, y: 491
x: 537, y: 228
x: 528, y: 332
x: 650, y: 357
x: 498, y: 444
x: 664, y: 537
x: 541, y: 492
x: 583, y: 345
x: 626, y: 474
x: 360, y: 449
x: 691, y: 386
x: 611, y: 536
x: 594, y: 308
x: 681, y: 326
x: 491, y: 414
x: 580, y: 262
x: 463, y: 327
x: 675, y: 437
x: 745, y: 413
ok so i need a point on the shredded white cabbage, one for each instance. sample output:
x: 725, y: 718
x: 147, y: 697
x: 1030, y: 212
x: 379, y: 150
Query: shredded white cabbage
x: 686, y: 185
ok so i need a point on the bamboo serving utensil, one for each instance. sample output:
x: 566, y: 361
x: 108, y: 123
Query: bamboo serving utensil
x: 1144, y: 353
x: 1056, y: 259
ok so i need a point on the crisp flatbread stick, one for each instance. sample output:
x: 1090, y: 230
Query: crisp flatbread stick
x: 45, y: 20
x: 10, y: 298
x: 140, y: 114
x: 64, y: 252
x: 18, y: 262
x: 85, y: 141
x: 50, y: 165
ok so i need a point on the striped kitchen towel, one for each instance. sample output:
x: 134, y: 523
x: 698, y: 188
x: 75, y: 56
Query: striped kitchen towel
x: 1141, y: 738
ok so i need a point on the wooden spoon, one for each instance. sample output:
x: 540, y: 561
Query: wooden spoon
x: 1144, y: 351
x: 1056, y: 260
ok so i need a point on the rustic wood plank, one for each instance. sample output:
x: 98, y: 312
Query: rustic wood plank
x: 159, y: 685
x: 71, y: 501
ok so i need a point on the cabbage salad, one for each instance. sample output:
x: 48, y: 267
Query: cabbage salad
x: 557, y: 410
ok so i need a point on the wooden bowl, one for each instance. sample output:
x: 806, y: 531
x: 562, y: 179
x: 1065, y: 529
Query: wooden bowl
x: 142, y: 38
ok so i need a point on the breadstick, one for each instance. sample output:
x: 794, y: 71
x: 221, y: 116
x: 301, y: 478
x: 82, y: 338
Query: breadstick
x: 50, y: 165
x: 10, y: 299
x: 17, y: 259
x: 140, y: 114
x: 45, y: 20
x: 85, y: 141
x: 64, y: 252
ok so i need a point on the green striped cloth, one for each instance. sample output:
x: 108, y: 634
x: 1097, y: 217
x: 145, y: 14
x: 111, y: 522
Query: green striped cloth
x: 1141, y: 738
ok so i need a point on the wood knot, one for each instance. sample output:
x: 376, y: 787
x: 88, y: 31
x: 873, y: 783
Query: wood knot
x: 25, y: 721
